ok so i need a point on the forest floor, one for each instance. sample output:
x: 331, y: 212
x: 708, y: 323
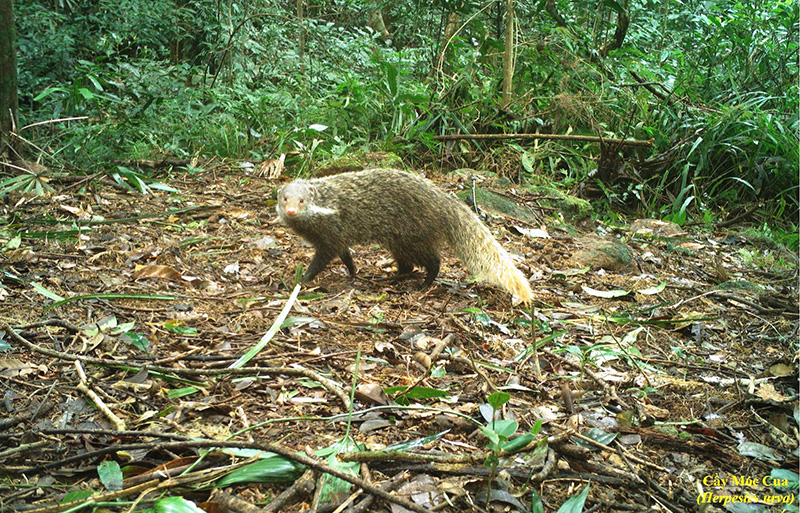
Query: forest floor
x: 680, y: 390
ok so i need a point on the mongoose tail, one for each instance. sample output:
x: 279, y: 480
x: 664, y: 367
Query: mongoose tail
x: 480, y: 252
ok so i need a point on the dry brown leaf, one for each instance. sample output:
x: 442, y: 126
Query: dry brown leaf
x: 11, y: 367
x: 781, y: 370
x: 156, y: 271
x: 371, y: 393
x: 767, y: 391
x: 239, y: 214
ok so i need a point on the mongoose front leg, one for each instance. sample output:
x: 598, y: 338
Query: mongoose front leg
x: 322, y: 257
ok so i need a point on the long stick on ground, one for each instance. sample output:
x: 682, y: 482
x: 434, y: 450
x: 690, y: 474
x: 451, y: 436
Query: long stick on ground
x: 551, y: 137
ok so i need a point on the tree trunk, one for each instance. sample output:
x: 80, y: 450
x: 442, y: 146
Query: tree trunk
x: 552, y: 10
x: 8, y: 76
x: 450, y: 30
x: 301, y: 34
x: 623, y: 20
x: 375, y: 20
x: 508, y: 56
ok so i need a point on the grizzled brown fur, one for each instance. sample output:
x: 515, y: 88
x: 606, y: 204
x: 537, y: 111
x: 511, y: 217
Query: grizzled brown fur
x: 405, y: 214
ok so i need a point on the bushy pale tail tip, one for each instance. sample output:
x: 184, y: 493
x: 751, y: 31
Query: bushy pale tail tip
x: 522, y: 295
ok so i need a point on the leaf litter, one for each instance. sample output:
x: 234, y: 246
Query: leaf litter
x: 131, y: 329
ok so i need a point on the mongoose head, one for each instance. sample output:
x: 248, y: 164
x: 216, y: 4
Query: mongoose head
x: 296, y: 200
x: 292, y: 198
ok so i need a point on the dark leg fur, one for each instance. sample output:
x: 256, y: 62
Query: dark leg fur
x: 347, y: 258
x: 431, y: 264
x: 322, y: 257
x: 404, y: 267
x: 404, y: 270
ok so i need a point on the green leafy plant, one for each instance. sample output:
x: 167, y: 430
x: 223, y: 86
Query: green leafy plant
x: 86, y: 88
x: 27, y: 181
x: 497, y: 431
x: 110, y: 475
x: 108, y: 327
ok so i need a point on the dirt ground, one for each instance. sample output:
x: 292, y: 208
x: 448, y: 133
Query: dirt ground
x: 676, y: 394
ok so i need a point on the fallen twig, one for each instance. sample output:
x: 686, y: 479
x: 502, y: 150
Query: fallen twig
x: 551, y: 137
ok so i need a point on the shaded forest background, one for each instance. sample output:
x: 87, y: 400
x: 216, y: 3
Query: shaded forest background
x: 714, y: 85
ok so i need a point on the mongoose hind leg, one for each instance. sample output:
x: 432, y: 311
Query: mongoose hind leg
x: 404, y: 269
x: 431, y: 263
x: 347, y: 259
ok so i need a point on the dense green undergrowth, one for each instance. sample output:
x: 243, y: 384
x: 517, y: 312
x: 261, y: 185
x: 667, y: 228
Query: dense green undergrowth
x: 713, y: 85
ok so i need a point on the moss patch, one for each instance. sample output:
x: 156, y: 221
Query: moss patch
x: 573, y: 209
x: 358, y: 162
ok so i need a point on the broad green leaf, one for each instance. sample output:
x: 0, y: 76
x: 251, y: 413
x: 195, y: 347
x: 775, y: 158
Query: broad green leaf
x: 491, y: 434
x: 110, y: 475
x: 498, y: 399
x: 417, y: 392
x: 163, y: 187
x: 575, y: 503
x: 76, y: 495
x: 139, y: 341
x: 123, y: 328
x: 536, y: 502
x: 175, y: 505
x: 87, y: 94
x: 176, y: 326
x: 46, y: 292
x: 391, y: 78
x: 47, y: 92
x: 503, y: 427
x: 13, y: 243
x: 271, y: 469
x: 330, y: 486
x: 518, y: 443
x: 653, y: 290
x: 438, y: 372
